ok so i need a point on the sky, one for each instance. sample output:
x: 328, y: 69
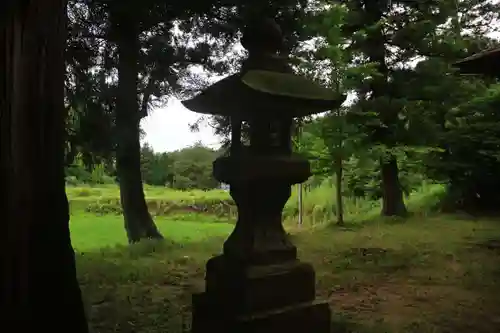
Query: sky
x: 167, y: 129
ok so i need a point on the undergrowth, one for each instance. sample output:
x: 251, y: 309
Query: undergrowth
x: 319, y: 204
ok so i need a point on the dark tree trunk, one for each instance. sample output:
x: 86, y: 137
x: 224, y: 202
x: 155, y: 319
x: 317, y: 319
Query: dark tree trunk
x: 339, y: 170
x: 138, y: 221
x: 393, y: 203
x: 39, y: 287
x: 338, y: 188
x: 392, y: 192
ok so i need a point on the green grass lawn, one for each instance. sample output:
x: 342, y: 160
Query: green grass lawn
x: 425, y: 274
x: 91, y: 232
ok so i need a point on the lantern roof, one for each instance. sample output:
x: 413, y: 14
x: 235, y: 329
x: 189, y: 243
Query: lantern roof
x: 266, y: 85
x: 486, y: 63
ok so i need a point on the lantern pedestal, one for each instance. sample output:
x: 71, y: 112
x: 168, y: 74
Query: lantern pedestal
x: 258, y: 285
x: 259, y: 299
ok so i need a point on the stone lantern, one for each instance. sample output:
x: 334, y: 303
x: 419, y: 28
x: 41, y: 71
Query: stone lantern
x: 258, y: 285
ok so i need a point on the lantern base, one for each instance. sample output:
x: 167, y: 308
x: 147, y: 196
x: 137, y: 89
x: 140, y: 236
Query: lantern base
x: 312, y: 317
x: 259, y: 299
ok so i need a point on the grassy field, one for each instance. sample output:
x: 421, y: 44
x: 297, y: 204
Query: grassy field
x: 90, y: 232
x: 428, y: 273
x: 318, y: 204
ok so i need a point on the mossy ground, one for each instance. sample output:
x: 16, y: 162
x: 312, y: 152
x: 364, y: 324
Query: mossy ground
x: 428, y: 273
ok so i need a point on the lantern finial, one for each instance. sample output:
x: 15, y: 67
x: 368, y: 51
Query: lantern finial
x: 262, y: 36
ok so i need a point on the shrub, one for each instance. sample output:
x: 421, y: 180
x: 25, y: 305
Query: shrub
x: 159, y: 207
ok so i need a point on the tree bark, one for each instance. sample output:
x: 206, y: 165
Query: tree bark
x: 137, y: 220
x: 339, y: 170
x: 392, y: 192
x: 338, y: 188
x: 38, y: 273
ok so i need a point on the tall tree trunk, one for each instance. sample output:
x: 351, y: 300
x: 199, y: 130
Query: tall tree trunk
x: 138, y: 221
x: 39, y: 287
x: 338, y: 189
x: 393, y: 203
x: 339, y: 168
x: 392, y: 192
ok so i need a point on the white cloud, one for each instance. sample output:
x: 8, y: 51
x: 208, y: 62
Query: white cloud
x: 167, y: 129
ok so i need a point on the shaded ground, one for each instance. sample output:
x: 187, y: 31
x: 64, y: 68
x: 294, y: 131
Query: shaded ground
x: 421, y: 275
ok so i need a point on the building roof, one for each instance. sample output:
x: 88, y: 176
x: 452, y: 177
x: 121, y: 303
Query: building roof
x: 486, y: 63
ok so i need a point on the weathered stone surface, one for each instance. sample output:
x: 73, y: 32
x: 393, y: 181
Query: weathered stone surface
x: 242, y: 289
x: 292, y: 169
x: 257, y: 299
x: 309, y: 317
